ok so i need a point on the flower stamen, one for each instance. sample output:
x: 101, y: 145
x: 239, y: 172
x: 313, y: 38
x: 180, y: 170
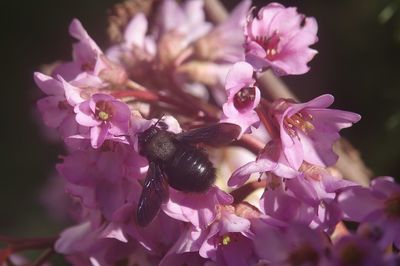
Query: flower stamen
x: 244, y: 97
x: 270, y: 45
x: 104, y: 110
x: 228, y: 238
x: 299, y: 121
x: 392, y: 206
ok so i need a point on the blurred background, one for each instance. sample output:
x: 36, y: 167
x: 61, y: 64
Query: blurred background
x: 358, y: 62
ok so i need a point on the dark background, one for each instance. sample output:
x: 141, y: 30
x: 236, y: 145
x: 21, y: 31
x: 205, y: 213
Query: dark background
x: 358, y: 62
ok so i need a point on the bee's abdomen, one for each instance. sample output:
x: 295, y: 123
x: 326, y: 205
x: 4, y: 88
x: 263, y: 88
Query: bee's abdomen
x: 190, y: 170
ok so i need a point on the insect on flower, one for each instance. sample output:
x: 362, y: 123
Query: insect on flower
x: 175, y: 160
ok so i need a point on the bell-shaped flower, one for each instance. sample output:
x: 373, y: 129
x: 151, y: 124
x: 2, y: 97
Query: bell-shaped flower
x: 226, y: 241
x: 356, y: 250
x: 89, y: 64
x: 295, y: 245
x: 224, y: 43
x: 378, y: 206
x: 105, y: 116
x: 279, y: 38
x: 200, y: 209
x: 271, y: 160
x: 57, y: 108
x: 243, y: 97
x: 308, y: 130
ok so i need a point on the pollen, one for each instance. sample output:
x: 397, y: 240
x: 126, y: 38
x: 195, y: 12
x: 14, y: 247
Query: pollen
x: 270, y: 44
x: 271, y: 52
x: 244, y: 97
x: 104, y: 110
x: 304, y: 255
x: 228, y: 238
x: 103, y: 116
x: 299, y: 121
x: 273, y: 182
x: 392, y: 206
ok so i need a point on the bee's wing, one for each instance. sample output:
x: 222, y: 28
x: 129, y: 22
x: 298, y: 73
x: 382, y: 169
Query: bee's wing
x: 155, y: 191
x: 216, y: 134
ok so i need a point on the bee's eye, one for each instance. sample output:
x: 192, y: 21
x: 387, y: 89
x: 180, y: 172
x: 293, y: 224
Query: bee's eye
x: 162, y: 125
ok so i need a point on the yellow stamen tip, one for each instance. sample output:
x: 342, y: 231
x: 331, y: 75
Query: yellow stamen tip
x: 226, y: 240
x: 103, y: 115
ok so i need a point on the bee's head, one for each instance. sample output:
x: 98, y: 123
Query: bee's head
x: 146, y: 136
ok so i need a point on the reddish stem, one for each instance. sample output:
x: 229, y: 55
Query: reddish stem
x: 242, y: 192
x: 250, y: 143
x: 44, y: 257
x: 266, y: 121
x: 141, y: 95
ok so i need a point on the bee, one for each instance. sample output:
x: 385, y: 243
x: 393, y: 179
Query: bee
x: 176, y: 161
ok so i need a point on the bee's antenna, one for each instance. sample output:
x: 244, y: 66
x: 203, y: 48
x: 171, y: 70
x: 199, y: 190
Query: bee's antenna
x: 159, y: 122
x: 159, y: 119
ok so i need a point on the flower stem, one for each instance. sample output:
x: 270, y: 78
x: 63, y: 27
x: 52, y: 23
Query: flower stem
x: 44, y: 257
x: 250, y: 143
x: 266, y: 121
x: 134, y: 85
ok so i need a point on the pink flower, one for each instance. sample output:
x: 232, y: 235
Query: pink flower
x: 308, y: 130
x: 271, y: 161
x: 85, y: 244
x: 378, y: 206
x: 105, y: 116
x: 138, y: 50
x: 294, y: 245
x: 187, y: 20
x: 197, y: 208
x: 243, y: 97
x: 224, y: 43
x: 102, y: 178
x: 226, y: 241
x: 279, y: 38
x: 57, y: 107
x: 89, y: 64
x: 282, y: 204
x: 356, y: 250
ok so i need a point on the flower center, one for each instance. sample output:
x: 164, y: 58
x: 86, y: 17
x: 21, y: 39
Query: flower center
x: 304, y: 255
x: 63, y: 105
x: 88, y: 65
x: 392, y: 206
x: 273, y: 181
x: 370, y: 231
x: 104, y: 110
x: 270, y: 45
x: 244, y: 97
x: 228, y: 238
x: 351, y: 255
x: 300, y: 121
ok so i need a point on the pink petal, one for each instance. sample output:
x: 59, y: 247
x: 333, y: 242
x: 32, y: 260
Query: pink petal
x: 114, y: 231
x: 52, y: 115
x: 358, y: 202
x: 98, y: 135
x: 286, y: 22
x: 78, y: 31
x: 135, y: 31
x: 72, y: 93
x: 260, y: 26
x: 68, y: 241
x: 84, y: 115
x: 241, y: 175
x: 69, y: 70
x: 385, y: 185
x: 48, y: 85
x: 240, y: 75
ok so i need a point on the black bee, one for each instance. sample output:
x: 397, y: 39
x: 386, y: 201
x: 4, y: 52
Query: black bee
x: 175, y: 161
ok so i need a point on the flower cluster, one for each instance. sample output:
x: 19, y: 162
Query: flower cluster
x: 282, y: 204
